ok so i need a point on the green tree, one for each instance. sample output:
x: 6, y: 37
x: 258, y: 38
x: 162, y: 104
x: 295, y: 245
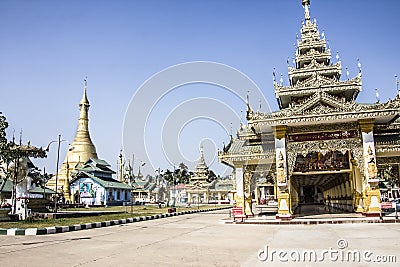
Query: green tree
x: 211, y: 176
x: 182, y: 166
x: 4, y: 147
x: 181, y: 175
x: 168, y: 176
x: 11, y: 152
x: 4, y: 151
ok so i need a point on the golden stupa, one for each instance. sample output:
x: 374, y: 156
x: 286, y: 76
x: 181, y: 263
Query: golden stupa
x: 81, y: 149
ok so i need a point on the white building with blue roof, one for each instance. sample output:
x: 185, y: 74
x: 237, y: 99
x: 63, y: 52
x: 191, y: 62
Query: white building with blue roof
x: 92, y: 184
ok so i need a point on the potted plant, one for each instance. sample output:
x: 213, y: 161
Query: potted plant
x: 5, y: 208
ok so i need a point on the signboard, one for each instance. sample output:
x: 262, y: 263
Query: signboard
x: 323, y: 136
x: 387, y: 205
x: 237, y: 211
x: 86, y: 190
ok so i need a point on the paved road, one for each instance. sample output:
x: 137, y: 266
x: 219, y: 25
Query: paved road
x: 196, y: 240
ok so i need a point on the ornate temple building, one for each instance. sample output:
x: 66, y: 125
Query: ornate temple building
x: 321, y: 146
x: 201, y: 190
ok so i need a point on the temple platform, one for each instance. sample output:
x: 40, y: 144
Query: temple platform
x: 316, y: 214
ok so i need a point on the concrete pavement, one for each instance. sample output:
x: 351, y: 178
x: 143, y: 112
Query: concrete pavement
x: 200, y: 240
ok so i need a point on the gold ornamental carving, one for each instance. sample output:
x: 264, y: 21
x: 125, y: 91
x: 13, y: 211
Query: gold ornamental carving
x: 372, y: 170
x: 280, y: 131
x: 281, y: 169
x: 366, y: 125
x: 354, y: 145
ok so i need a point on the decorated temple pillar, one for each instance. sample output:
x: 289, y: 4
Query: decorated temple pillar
x: 283, y: 196
x: 357, y: 184
x: 370, y: 188
x: 242, y: 198
x: 239, y: 196
x: 247, y: 190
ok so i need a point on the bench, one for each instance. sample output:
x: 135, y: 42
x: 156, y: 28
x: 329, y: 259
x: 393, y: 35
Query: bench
x: 267, y: 208
x: 171, y: 210
x: 237, y: 212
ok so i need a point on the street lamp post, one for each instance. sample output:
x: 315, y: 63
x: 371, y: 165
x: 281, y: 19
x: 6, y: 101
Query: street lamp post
x: 132, y: 180
x: 58, y: 161
x: 158, y: 184
x: 59, y: 141
x: 44, y: 183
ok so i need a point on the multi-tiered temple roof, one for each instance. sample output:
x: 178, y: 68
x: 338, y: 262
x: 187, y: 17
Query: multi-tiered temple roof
x: 313, y: 71
x: 201, y: 174
x: 316, y: 91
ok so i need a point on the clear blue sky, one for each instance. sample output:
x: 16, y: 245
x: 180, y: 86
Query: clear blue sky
x: 48, y: 47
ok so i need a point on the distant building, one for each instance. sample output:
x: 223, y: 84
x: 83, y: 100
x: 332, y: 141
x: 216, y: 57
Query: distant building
x: 201, y: 190
x: 149, y: 189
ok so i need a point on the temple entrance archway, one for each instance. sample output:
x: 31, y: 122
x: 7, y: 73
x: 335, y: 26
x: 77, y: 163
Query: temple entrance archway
x: 324, y: 180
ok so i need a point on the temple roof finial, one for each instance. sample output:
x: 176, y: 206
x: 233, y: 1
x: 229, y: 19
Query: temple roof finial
x: 201, y: 161
x: 306, y: 4
x: 84, y: 100
x: 249, y: 110
x: 274, y: 74
x: 377, y: 96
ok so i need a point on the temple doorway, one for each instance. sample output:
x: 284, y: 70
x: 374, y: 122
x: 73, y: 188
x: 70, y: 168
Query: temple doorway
x: 322, y: 180
x: 308, y: 194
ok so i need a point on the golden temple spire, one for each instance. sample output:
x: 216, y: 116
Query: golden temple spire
x: 83, y: 123
x: 84, y: 100
x: 82, y: 139
x: 83, y: 147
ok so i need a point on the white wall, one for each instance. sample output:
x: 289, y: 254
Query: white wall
x: 97, y: 192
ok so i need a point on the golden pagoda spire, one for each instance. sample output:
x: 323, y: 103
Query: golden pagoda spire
x: 84, y: 105
x: 82, y: 148
x: 84, y: 100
